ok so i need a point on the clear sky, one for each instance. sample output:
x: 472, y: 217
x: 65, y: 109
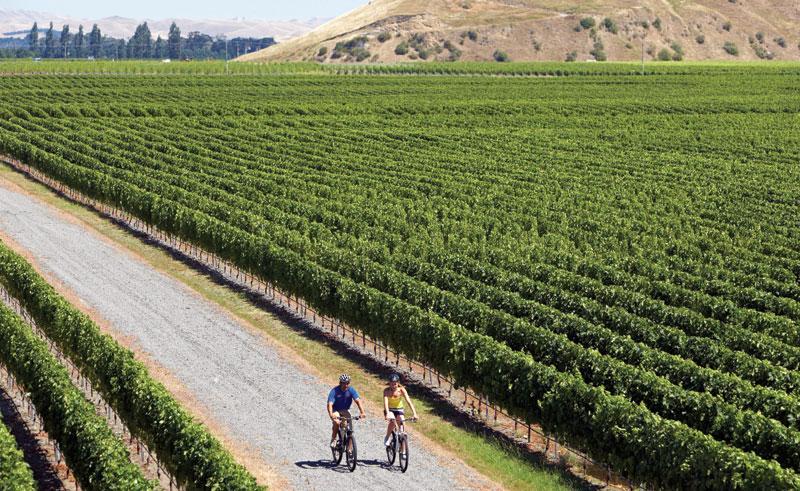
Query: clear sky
x: 189, y: 9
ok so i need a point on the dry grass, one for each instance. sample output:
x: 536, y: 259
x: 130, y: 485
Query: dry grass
x: 545, y: 29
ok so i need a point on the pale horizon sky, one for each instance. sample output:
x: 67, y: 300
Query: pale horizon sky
x: 187, y: 9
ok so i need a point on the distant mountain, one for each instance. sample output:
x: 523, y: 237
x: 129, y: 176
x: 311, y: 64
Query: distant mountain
x: 616, y: 30
x: 17, y: 23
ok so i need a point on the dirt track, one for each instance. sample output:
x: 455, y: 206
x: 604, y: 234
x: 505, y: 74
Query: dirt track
x: 257, y: 395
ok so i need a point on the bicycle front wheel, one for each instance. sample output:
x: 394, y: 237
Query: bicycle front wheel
x: 352, y: 454
x: 391, y: 449
x: 337, y: 453
x: 404, y: 453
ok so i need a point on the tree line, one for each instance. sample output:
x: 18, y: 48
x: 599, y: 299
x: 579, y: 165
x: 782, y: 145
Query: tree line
x: 66, y: 44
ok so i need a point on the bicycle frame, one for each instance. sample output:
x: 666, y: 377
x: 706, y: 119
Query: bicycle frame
x: 346, y: 444
x: 399, y: 444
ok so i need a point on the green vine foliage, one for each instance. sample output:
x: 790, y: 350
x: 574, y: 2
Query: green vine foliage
x: 601, y: 265
x: 568, y: 342
x: 15, y: 475
x: 99, y: 459
x: 196, y: 458
x: 630, y: 437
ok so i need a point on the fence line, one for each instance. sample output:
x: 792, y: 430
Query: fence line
x: 532, y: 437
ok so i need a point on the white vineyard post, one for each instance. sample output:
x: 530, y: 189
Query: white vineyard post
x: 556, y: 456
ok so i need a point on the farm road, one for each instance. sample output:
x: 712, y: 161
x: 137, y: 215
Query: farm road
x: 260, y: 397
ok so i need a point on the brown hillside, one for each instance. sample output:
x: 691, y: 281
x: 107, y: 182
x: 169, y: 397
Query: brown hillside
x: 550, y: 30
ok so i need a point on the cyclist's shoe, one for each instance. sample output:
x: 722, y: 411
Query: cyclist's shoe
x: 333, y: 444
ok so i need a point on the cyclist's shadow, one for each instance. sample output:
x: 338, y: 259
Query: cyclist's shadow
x: 330, y: 465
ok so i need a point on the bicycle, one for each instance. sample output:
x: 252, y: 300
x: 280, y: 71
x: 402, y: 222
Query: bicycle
x: 344, y: 440
x: 399, y: 443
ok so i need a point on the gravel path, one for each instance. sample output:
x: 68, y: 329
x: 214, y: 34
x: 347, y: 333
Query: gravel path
x: 257, y: 395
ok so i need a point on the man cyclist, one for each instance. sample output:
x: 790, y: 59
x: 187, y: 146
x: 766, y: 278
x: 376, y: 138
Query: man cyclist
x: 340, y: 398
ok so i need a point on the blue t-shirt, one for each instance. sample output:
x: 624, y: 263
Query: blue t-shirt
x: 342, y: 399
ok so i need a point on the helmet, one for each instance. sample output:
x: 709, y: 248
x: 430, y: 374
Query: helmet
x: 344, y: 379
x: 394, y: 377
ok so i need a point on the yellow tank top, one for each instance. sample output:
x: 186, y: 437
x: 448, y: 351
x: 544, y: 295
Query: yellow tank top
x: 396, y: 402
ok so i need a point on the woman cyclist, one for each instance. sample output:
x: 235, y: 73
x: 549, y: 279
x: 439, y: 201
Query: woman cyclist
x: 394, y: 398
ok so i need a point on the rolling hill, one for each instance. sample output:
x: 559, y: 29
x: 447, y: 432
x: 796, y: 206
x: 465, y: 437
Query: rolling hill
x: 404, y: 30
x: 17, y: 23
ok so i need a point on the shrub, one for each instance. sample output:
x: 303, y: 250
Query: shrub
x: 587, y: 23
x: 762, y: 52
x: 657, y: 23
x: 360, y: 54
x: 700, y: 39
x: 455, y: 54
x: 731, y: 48
x: 727, y: 25
x: 424, y: 54
x: 664, y: 55
x: 401, y: 49
x: 760, y: 37
x: 356, y: 42
x: 355, y: 48
x: 322, y: 51
x: 780, y: 42
x: 384, y: 36
x: 678, y: 51
x: 472, y: 35
x: 598, y: 51
x: 537, y: 45
x: 571, y: 56
x: 417, y: 40
x: 645, y: 24
x: 501, y: 56
x: 610, y: 26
